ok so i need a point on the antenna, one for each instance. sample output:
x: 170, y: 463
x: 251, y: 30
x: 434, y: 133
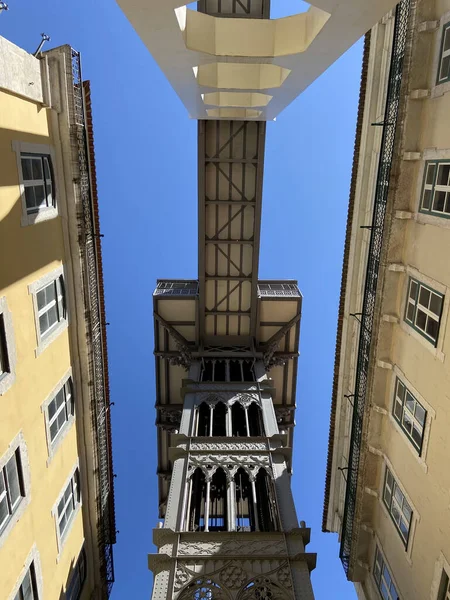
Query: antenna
x: 45, y: 38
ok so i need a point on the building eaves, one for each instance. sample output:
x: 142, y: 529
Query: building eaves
x: 351, y: 204
x: 100, y: 282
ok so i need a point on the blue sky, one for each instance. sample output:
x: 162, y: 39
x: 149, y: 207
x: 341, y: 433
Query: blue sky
x: 146, y: 152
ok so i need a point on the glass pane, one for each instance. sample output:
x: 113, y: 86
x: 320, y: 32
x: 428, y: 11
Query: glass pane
x: 426, y: 199
x: 384, y: 591
x: 417, y: 436
x: 60, y: 398
x: 61, y: 419
x: 432, y: 328
x: 424, y: 297
x: 26, y: 169
x: 421, y: 320
x: 398, y: 410
x: 4, y: 511
x: 51, y: 409
x: 40, y: 196
x: 37, y: 168
x: 12, y: 477
x: 43, y: 323
x: 46, y: 168
x: 53, y: 430
x: 62, y: 524
x: 439, y: 201
x: 430, y: 173
x: 407, y: 422
x: 386, y: 576
x: 410, y: 402
x: 445, y: 68
x: 420, y: 414
x: 398, y: 496
x: 413, y: 290
x: 410, y: 312
x: 27, y: 587
x: 436, y: 304
x: 446, y: 45
x: 52, y: 316
x: 41, y: 299
x: 49, y: 194
x: 442, y: 176
x: 400, y: 389
x: 404, y: 528
x: 30, y: 200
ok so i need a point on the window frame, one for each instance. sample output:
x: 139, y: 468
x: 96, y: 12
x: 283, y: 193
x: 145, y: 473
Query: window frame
x: 43, y: 213
x: 45, y: 339
x: 53, y: 445
x: 73, y: 484
x: 440, y: 80
x: 399, y: 401
x: 17, y: 448
x: 433, y: 188
x: 81, y: 560
x: 388, y: 506
x: 425, y: 310
x: 7, y: 341
x: 32, y: 561
x: 384, y: 565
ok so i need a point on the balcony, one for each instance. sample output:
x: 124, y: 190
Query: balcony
x: 274, y: 289
x: 178, y: 287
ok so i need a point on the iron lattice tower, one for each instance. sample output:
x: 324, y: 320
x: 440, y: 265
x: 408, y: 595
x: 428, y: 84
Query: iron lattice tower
x: 226, y: 350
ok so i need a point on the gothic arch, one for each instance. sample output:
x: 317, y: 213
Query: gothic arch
x: 203, y: 588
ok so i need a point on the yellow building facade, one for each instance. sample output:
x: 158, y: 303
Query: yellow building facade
x: 56, y: 493
x: 388, y: 484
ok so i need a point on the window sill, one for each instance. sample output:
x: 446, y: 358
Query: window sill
x: 14, y: 519
x: 440, y: 89
x: 6, y: 381
x: 45, y: 342
x: 43, y: 215
x: 428, y: 345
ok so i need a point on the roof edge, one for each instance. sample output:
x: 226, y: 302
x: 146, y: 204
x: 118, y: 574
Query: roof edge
x: 351, y: 204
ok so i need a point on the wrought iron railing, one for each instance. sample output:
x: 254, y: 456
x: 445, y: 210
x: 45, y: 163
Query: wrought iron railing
x: 278, y: 288
x: 176, y: 288
x: 100, y: 416
x: 374, y: 253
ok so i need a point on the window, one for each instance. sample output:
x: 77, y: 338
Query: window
x: 51, y: 306
x: 423, y: 310
x: 383, y: 578
x: 444, y: 56
x: 7, y: 348
x: 73, y: 591
x: 37, y: 180
x: 11, y: 488
x: 4, y: 360
x: 435, y: 198
x: 28, y: 588
x: 68, y: 503
x: 397, y: 505
x: 60, y: 409
x: 409, y: 414
x: 444, y: 587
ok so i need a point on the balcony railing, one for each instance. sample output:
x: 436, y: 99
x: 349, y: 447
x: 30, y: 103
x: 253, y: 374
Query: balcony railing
x: 176, y: 288
x: 393, y: 99
x: 278, y: 288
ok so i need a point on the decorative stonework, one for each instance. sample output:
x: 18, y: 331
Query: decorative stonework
x: 229, y: 398
x: 209, y: 463
x: 228, y: 446
x: 244, y: 580
x: 232, y: 548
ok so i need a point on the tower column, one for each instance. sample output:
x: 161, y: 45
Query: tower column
x: 231, y: 497
x: 255, y: 503
x: 246, y: 420
x: 207, y: 499
x: 211, y: 417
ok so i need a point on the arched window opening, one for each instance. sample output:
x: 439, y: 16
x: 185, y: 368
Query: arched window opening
x: 207, y: 371
x: 204, y: 419
x: 238, y: 421
x: 203, y: 589
x: 197, y: 501
x: 255, y: 420
x: 247, y: 370
x: 245, y: 516
x: 236, y: 370
x: 220, y: 419
x: 265, y: 500
x: 218, y: 502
